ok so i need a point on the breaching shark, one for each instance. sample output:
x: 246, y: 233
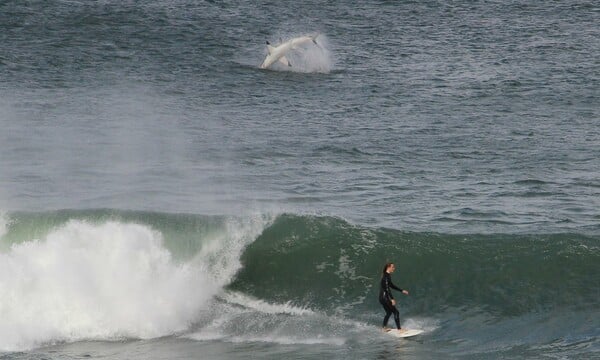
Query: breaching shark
x: 277, y: 53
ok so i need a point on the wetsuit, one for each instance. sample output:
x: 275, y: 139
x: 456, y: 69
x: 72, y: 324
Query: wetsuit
x: 385, y: 298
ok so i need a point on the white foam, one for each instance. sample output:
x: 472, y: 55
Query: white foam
x: 108, y: 281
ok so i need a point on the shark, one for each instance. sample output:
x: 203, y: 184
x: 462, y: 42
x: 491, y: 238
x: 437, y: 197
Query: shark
x: 278, y: 52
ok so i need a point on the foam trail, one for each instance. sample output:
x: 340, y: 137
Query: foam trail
x: 242, y: 318
x: 108, y: 281
x: 264, y: 306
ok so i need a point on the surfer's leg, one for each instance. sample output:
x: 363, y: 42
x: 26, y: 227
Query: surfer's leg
x: 387, y: 317
x: 388, y: 312
x: 396, y: 316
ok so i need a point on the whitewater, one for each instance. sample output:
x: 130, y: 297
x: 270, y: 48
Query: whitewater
x: 108, y: 281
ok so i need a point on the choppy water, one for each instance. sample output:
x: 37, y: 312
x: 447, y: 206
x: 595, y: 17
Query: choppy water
x: 161, y: 196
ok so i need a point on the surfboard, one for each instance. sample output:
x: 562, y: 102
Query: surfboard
x: 404, y: 333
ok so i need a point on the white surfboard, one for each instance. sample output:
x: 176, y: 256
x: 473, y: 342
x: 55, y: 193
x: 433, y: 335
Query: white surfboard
x: 404, y: 333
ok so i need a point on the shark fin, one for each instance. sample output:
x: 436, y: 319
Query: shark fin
x: 285, y: 61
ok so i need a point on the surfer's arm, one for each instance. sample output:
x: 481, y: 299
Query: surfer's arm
x: 395, y: 287
x: 405, y: 292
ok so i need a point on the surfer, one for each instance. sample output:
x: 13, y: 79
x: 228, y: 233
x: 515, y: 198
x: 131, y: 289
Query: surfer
x: 386, y: 298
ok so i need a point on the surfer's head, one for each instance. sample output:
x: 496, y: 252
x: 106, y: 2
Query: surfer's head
x: 389, y: 268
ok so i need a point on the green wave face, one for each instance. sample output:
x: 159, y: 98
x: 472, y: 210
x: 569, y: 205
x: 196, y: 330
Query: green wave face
x: 330, y: 264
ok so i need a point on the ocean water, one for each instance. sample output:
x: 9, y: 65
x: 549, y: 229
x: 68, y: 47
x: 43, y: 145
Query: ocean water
x: 162, y: 197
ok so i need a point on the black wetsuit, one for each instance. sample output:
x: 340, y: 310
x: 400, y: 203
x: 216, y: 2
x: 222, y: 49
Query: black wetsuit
x: 385, y: 298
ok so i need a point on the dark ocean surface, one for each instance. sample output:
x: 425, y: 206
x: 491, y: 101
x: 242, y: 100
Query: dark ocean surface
x: 162, y: 197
